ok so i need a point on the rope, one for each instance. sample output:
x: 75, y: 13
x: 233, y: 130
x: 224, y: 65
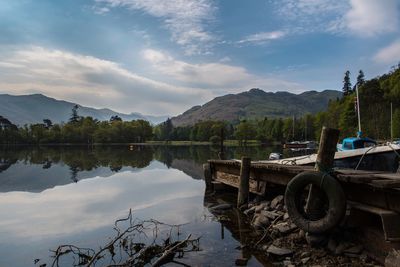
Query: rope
x: 362, y: 157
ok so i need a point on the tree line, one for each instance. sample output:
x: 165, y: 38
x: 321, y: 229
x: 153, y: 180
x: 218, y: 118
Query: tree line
x: 376, y: 97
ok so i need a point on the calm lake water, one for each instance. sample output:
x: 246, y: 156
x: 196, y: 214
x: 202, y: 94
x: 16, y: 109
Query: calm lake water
x: 72, y: 195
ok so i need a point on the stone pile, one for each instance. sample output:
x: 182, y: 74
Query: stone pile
x: 287, y: 245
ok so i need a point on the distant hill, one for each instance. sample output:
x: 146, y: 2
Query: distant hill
x: 28, y: 109
x: 257, y: 103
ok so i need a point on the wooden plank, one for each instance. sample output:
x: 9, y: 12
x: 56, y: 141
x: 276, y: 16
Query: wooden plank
x: 243, y: 192
x: 256, y: 187
x: 385, y: 183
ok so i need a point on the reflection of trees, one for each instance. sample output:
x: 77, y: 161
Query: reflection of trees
x: 84, y: 158
x: 78, y: 158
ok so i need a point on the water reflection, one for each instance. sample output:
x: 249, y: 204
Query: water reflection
x: 46, y: 198
x: 34, y: 170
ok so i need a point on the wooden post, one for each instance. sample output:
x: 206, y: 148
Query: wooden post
x: 327, y: 149
x: 221, y: 153
x: 208, y: 177
x: 324, y: 163
x: 243, y: 193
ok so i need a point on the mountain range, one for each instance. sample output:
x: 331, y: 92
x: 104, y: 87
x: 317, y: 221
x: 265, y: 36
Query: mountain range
x: 256, y: 104
x: 29, y: 109
x: 252, y: 104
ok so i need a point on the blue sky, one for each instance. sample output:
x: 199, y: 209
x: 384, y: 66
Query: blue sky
x: 161, y: 57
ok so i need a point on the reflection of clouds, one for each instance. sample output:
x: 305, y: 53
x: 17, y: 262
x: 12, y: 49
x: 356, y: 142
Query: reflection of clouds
x: 94, y: 203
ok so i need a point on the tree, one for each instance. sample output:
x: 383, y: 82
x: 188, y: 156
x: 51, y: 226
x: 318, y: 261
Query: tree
x: 245, y: 131
x: 115, y: 118
x: 360, y: 80
x: 346, y: 84
x: 48, y: 123
x: 74, y: 115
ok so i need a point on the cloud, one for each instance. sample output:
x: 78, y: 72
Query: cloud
x: 91, y: 81
x: 389, y: 54
x: 262, y: 37
x: 304, y: 16
x: 362, y: 17
x: 372, y: 17
x: 185, y: 19
x: 216, y: 76
x: 95, y: 82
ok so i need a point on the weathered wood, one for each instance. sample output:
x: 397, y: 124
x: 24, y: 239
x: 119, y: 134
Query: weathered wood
x: 208, y: 177
x: 255, y: 186
x: 324, y: 163
x: 327, y: 149
x: 221, y: 154
x: 244, y: 180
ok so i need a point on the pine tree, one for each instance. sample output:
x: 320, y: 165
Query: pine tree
x: 346, y: 84
x: 74, y: 115
x: 360, y: 80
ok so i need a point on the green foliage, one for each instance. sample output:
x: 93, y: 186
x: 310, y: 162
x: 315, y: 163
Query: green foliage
x: 375, y: 97
x: 346, y: 84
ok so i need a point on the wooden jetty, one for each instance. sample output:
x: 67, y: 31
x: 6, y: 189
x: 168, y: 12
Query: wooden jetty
x: 372, y: 195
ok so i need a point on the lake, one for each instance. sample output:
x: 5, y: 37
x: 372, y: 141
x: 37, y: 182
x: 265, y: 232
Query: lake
x: 72, y: 195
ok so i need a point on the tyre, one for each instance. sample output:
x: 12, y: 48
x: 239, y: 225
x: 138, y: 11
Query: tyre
x: 333, y: 195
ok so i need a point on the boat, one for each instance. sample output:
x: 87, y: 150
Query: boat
x: 375, y: 158
x: 359, y: 153
x: 300, y: 145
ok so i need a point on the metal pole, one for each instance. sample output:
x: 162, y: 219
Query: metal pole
x: 391, y: 121
x: 358, y: 113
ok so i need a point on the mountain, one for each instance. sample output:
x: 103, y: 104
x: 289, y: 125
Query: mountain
x: 257, y: 103
x: 28, y: 109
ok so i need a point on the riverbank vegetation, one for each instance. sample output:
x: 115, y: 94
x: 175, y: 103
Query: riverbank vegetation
x: 376, y: 97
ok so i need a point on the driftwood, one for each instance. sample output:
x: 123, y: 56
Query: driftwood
x: 126, y: 248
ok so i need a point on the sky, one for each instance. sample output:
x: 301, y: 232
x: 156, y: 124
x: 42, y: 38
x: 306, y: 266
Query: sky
x: 161, y: 57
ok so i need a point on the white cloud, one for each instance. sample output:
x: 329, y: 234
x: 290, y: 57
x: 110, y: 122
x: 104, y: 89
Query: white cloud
x: 95, y: 82
x: 185, y: 19
x: 362, y: 17
x: 303, y: 16
x: 216, y: 76
x: 91, y: 81
x: 389, y: 54
x: 373, y: 17
x: 262, y: 37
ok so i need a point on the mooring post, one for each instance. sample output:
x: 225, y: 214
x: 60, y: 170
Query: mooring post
x: 243, y: 193
x: 221, y: 153
x: 208, y: 177
x: 324, y: 163
x: 327, y: 149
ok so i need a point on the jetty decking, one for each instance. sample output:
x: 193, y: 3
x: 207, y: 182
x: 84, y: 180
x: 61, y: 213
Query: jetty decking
x: 375, y: 192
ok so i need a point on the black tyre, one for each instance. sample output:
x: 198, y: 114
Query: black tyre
x: 334, y: 196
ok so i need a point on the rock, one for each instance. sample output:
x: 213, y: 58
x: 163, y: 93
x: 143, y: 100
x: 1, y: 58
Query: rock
x: 332, y: 244
x: 277, y: 200
x: 286, y: 216
x: 301, y: 234
x: 279, y: 251
x: 269, y: 214
x: 261, y: 206
x: 241, y: 262
x: 305, y: 260
x: 316, y: 240
x: 287, y: 263
x: 260, y: 221
x: 250, y: 211
x: 221, y: 207
x: 284, y: 227
x: 305, y: 254
x: 393, y: 259
x: 341, y: 248
x: 279, y: 207
x: 354, y: 249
